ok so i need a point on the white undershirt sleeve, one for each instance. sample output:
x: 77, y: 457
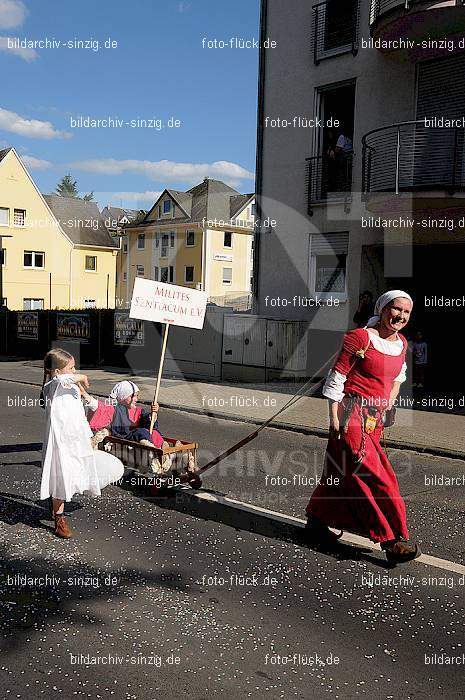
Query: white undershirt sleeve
x: 403, y: 374
x: 334, y: 386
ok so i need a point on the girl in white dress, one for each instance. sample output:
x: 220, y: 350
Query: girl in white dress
x: 70, y: 465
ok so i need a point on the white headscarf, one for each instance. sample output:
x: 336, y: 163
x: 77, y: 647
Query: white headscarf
x: 123, y: 389
x: 383, y: 301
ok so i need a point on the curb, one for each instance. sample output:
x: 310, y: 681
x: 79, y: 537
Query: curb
x: 270, y: 523
x: 290, y: 427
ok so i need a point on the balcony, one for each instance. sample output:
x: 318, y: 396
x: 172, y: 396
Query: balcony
x: 418, y: 28
x: 328, y: 180
x: 413, y: 158
x: 335, y: 28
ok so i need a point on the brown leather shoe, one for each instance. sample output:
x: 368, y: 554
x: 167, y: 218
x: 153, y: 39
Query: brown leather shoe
x: 400, y: 552
x: 62, y: 528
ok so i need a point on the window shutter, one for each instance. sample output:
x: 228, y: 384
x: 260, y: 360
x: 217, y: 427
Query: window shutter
x: 441, y: 88
x: 329, y: 243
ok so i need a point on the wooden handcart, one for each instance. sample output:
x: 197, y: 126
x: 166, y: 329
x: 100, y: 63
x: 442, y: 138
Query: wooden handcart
x: 151, y: 462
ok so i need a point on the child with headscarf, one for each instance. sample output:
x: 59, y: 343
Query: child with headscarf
x: 121, y: 417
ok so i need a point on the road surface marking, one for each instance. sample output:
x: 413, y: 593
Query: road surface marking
x: 298, y: 522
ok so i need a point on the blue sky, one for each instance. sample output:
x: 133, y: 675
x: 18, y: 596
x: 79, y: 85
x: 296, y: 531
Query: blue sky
x: 158, y: 70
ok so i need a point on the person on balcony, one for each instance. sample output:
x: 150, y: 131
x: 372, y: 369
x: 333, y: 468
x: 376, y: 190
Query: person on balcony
x: 358, y: 491
x: 339, y: 156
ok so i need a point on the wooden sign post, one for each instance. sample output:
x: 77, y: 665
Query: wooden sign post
x: 160, y: 371
x: 168, y: 304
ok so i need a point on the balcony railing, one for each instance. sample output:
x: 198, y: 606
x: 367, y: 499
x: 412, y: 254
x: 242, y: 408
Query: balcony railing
x: 383, y: 7
x: 328, y: 179
x: 411, y: 156
x: 335, y: 28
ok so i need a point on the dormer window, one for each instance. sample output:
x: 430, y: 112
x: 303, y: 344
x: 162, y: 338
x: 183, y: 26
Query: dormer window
x: 166, y: 206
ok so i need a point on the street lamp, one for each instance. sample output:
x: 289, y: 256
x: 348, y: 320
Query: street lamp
x: 2, y: 255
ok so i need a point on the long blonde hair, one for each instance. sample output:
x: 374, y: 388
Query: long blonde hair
x: 57, y: 358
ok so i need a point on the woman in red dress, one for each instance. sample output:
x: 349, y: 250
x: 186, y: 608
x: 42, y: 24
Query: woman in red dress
x: 362, y: 495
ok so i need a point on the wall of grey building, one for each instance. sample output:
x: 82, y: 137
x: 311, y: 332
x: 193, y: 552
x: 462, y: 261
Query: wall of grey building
x: 385, y: 94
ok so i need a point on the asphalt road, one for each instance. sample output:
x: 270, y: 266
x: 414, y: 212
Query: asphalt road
x: 148, y: 602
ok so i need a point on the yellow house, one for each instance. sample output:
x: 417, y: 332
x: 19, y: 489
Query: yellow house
x: 55, y: 251
x: 201, y: 238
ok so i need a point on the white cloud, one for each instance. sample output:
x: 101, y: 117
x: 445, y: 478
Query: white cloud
x: 32, y: 128
x: 12, y: 13
x: 167, y: 170
x: 26, y: 54
x: 36, y: 163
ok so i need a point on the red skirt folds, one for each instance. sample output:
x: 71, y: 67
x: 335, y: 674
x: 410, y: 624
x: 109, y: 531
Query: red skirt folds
x: 366, y: 499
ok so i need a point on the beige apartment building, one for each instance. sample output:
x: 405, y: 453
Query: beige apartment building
x: 201, y: 238
x: 55, y: 252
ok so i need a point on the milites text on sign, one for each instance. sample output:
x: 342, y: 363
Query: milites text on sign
x: 168, y: 303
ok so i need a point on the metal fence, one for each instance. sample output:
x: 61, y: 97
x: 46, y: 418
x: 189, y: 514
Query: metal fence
x: 383, y: 7
x: 335, y: 28
x: 328, y: 178
x: 412, y: 156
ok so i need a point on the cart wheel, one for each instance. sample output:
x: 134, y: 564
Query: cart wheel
x: 195, y: 482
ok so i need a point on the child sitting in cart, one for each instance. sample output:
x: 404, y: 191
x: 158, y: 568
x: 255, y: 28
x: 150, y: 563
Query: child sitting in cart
x: 123, y: 418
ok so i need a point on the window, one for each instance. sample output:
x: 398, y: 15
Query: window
x: 164, y: 274
x: 340, y: 18
x: 253, y: 210
x: 166, y: 206
x: 190, y: 238
x: 91, y: 263
x: 4, y: 216
x: 125, y: 247
x: 34, y: 259
x: 33, y: 304
x: 140, y: 271
x: 227, y: 275
x: 335, y: 28
x: 328, y: 265
x: 189, y: 274
x: 19, y: 217
x: 3, y: 257
x: 330, y: 168
x: 141, y: 241
x: 165, y: 241
x: 171, y: 274
x: 172, y: 238
x: 125, y: 276
x: 227, y: 239
x: 155, y: 274
x: 330, y: 273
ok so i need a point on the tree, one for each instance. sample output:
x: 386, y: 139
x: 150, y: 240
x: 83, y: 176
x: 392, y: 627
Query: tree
x: 66, y: 187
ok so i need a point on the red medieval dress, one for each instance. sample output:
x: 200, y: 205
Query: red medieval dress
x: 365, y: 500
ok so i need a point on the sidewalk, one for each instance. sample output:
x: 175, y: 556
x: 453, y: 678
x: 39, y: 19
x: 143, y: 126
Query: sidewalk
x: 436, y: 433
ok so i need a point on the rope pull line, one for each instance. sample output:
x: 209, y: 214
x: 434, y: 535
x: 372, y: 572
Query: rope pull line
x: 293, y: 400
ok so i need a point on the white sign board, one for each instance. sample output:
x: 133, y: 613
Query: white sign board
x: 168, y: 303
x: 223, y: 256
